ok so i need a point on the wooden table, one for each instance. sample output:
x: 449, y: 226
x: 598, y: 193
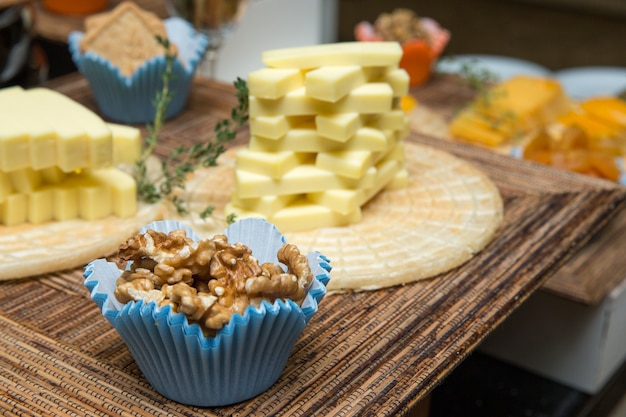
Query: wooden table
x: 372, y: 353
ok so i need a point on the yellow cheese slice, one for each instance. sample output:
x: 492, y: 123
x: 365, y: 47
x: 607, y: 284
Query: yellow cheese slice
x: 272, y: 164
x: 367, y: 98
x: 332, y: 83
x: 351, y: 164
x: 302, y: 179
x: 307, y: 140
x: 338, y: 126
x: 274, y: 83
x: 366, y: 54
x: 126, y: 143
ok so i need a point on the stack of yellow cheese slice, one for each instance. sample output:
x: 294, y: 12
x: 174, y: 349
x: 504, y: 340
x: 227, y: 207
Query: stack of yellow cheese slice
x: 327, y: 134
x: 57, y: 160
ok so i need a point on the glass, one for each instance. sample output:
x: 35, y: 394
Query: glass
x: 215, y: 18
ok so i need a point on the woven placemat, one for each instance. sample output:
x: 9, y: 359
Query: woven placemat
x: 363, y: 353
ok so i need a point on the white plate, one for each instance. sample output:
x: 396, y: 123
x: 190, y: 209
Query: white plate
x: 585, y: 82
x: 502, y: 67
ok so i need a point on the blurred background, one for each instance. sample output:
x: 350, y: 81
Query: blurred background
x: 556, y: 34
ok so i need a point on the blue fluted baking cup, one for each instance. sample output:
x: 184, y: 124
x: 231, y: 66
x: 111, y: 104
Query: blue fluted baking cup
x: 244, y: 359
x: 130, y: 99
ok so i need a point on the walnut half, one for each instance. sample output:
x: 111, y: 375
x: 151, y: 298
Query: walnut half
x: 207, y: 280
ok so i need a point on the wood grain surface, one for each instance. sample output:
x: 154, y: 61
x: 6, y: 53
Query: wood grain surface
x: 372, y: 353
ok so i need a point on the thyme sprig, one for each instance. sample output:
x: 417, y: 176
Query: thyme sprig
x: 183, y: 160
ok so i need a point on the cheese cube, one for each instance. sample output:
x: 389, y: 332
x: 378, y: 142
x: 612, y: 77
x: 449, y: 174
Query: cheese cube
x: 14, y: 210
x: 25, y: 180
x: 94, y: 200
x: 274, y: 83
x: 271, y: 127
x: 368, y: 98
x: 14, y: 144
x: 5, y: 186
x: 399, y: 181
x: 398, y: 79
x: 126, y: 143
x: 122, y: 190
x: 332, y: 83
x: 65, y: 203
x: 40, y: 206
x: 339, y: 126
x: 351, y: 164
x: 52, y: 175
x: 366, y: 54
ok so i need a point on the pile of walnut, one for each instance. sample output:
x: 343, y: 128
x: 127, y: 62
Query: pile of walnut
x: 401, y: 25
x: 207, y: 280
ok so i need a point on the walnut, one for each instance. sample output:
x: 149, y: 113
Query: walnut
x: 401, y: 25
x: 208, y: 280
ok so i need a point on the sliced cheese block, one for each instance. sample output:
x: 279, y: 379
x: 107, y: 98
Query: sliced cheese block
x: 271, y: 164
x: 367, y: 98
x: 64, y: 133
x: 273, y: 83
x: 301, y: 179
x: 68, y: 115
x: 307, y: 140
x: 366, y: 54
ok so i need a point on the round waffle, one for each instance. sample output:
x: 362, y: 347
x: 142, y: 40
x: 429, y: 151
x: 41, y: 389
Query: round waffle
x: 449, y: 211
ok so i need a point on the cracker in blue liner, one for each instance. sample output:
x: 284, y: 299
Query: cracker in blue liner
x: 244, y: 358
x: 130, y: 99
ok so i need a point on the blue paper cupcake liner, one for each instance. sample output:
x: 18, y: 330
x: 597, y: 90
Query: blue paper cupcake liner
x: 244, y: 359
x: 130, y: 99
